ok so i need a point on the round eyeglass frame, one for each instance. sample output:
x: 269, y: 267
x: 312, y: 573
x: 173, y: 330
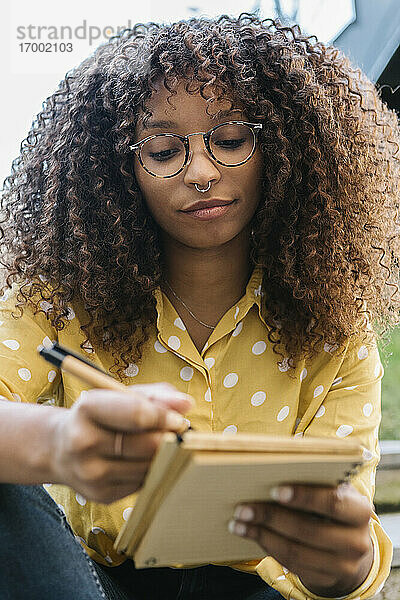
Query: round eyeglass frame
x: 254, y: 127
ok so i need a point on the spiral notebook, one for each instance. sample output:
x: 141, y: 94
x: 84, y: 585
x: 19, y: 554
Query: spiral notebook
x: 195, y: 481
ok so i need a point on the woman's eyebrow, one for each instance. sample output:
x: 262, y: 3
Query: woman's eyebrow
x: 158, y: 124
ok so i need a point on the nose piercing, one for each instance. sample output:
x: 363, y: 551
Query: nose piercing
x: 201, y: 190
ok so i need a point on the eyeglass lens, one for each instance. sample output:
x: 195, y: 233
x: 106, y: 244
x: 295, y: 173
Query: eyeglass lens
x: 230, y: 144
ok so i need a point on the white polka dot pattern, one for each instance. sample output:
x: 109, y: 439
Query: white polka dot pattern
x: 330, y: 348
x: 16, y: 397
x: 367, y: 409
x: 97, y: 530
x: 362, y: 353
x: 258, y: 398
x: 259, y: 347
x: 186, y: 373
x: 284, y: 366
x: 131, y: 370
x: 47, y: 343
x: 174, y: 342
x: 367, y: 454
x: 159, y: 347
x: 80, y: 499
x: 12, y: 344
x: 236, y: 385
x: 231, y: 380
x: 51, y: 375
x: 230, y: 429
x: 283, y: 413
x: 25, y: 374
x: 46, y: 306
x: 350, y: 387
x: 209, y: 362
x: 180, y: 324
x: 318, y: 391
x: 237, y: 329
x: 127, y: 512
x: 70, y: 314
x: 344, y: 430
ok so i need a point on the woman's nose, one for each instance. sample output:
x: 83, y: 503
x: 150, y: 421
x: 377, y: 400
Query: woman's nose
x: 200, y: 167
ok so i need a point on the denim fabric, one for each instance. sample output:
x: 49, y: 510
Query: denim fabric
x: 41, y: 559
x: 201, y: 583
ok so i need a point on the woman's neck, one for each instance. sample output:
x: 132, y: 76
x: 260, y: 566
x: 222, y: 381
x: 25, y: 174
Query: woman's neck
x: 209, y: 280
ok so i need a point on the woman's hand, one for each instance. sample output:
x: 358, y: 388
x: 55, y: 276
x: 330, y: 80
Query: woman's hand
x: 321, y: 534
x: 83, y: 438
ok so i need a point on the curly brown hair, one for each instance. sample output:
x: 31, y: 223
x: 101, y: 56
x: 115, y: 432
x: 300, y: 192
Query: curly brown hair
x: 326, y: 231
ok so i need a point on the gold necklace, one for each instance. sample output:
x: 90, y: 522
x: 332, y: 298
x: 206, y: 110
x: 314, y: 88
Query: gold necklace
x: 187, y: 308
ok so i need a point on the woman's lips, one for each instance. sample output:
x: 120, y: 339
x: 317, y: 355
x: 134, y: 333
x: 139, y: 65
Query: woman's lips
x: 206, y: 214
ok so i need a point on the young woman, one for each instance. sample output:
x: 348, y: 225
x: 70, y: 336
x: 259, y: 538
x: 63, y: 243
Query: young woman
x: 208, y: 210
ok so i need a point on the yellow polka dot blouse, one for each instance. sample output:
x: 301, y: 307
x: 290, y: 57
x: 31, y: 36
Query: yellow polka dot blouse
x: 237, y: 385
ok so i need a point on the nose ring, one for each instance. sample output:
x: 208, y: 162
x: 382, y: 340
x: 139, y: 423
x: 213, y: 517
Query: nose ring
x: 202, y: 190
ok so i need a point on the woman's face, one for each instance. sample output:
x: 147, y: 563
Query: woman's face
x: 168, y: 198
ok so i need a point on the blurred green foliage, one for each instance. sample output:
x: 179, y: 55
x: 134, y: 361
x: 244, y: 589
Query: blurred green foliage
x: 390, y: 356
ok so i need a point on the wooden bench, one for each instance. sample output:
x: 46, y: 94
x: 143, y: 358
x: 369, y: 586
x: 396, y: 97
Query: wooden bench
x: 388, y: 493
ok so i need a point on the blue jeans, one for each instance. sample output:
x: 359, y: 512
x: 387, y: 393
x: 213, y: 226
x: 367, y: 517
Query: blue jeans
x: 41, y: 559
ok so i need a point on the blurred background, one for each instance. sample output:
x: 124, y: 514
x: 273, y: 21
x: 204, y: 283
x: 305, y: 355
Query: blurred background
x: 368, y: 31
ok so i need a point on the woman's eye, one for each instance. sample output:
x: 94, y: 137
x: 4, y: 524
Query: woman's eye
x: 163, y: 155
x: 232, y: 143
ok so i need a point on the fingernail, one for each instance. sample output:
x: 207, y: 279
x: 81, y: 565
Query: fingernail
x: 244, y: 513
x: 237, y: 528
x: 282, y: 493
x: 175, y: 421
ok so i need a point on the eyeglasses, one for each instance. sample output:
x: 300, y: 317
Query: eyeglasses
x: 230, y: 144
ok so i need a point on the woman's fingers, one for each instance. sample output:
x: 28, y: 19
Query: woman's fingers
x: 100, y: 473
x: 85, y: 436
x: 166, y: 395
x: 310, y: 529
x: 135, y: 446
x: 124, y: 412
x: 342, y: 503
x: 317, y: 532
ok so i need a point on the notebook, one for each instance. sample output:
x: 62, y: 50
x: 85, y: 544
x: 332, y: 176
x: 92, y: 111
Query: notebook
x: 195, y: 481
